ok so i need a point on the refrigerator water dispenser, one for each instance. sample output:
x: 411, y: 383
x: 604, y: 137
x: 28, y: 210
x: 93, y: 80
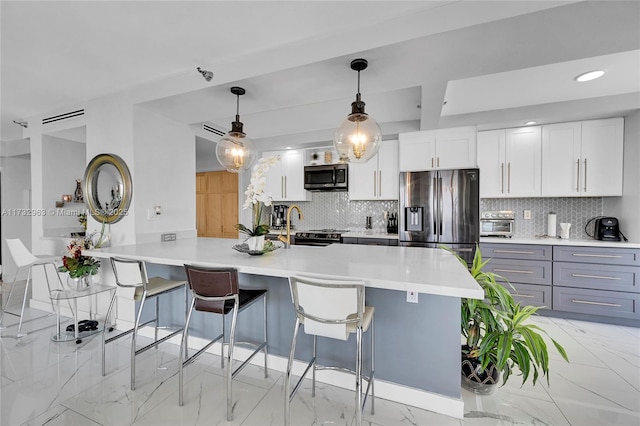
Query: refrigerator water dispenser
x: 414, y: 217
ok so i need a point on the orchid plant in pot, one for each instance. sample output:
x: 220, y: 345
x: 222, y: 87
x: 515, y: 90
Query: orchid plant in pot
x: 257, y: 200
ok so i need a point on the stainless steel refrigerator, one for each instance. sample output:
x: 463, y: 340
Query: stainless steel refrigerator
x: 440, y: 208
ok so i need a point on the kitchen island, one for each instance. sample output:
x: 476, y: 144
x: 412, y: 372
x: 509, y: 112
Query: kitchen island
x: 417, y: 345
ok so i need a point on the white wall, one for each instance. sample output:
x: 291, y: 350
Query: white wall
x: 16, y: 184
x: 165, y: 163
x: 627, y: 207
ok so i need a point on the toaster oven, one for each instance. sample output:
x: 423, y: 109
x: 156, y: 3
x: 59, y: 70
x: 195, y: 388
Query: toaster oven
x: 497, y: 223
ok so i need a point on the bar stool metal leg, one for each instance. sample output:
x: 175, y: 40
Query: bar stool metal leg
x: 288, y: 393
x: 264, y: 308
x: 232, y: 337
x: 133, y: 341
x: 373, y: 361
x: 313, y: 372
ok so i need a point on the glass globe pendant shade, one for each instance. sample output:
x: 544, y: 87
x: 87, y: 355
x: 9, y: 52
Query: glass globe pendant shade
x: 357, y: 139
x: 235, y: 152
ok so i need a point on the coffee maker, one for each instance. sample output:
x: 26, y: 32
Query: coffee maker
x: 279, y: 216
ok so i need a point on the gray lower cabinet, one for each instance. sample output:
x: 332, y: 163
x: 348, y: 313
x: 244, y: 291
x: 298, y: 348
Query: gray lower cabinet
x: 527, y: 267
x: 370, y: 241
x: 597, y: 281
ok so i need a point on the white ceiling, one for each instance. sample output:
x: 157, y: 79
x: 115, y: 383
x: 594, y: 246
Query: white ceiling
x: 495, y: 63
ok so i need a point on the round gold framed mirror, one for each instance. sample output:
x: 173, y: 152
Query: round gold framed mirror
x: 107, y: 187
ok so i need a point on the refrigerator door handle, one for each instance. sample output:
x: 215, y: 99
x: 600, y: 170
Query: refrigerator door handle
x: 434, y: 211
x: 440, y: 201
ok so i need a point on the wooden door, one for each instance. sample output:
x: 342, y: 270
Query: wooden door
x: 217, y: 204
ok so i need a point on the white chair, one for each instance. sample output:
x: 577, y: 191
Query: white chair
x: 23, y: 258
x: 334, y: 309
x: 131, y: 273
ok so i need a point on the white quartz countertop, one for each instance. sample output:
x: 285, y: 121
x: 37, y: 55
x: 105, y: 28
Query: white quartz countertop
x: 560, y: 242
x: 424, y: 270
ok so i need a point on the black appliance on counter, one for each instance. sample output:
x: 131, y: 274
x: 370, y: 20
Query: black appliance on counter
x: 279, y: 216
x: 330, y: 177
x: 440, y: 208
x: 318, y: 237
x: 605, y: 228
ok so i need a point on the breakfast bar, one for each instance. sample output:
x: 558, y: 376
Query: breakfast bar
x: 417, y: 344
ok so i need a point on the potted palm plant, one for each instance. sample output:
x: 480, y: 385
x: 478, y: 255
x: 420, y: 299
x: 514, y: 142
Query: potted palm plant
x: 498, y: 337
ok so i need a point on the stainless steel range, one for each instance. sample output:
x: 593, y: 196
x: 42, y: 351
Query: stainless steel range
x: 319, y: 237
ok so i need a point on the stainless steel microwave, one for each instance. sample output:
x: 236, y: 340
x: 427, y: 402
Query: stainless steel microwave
x: 328, y: 177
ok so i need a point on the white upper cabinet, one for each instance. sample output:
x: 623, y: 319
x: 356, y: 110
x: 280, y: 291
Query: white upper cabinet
x: 285, y: 180
x: 453, y: 148
x: 582, y: 159
x: 510, y: 162
x: 378, y: 178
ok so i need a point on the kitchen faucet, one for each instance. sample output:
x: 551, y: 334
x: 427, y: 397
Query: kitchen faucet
x: 287, y: 240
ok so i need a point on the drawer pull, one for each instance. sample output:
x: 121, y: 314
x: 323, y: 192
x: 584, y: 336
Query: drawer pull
x: 595, y: 276
x: 612, y: 256
x: 586, y: 302
x: 515, y: 271
x: 529, y: 296
x: 513, y: 251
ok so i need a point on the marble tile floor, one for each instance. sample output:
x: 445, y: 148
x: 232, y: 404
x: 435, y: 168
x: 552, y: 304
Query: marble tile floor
x: 43, y: 382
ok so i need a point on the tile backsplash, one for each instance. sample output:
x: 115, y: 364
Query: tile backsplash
x: 334, y: 210
x: 576, y: 211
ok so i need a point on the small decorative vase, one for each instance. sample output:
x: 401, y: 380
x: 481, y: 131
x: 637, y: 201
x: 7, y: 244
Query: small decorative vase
x: 80, y: 283
x: 255, y: 243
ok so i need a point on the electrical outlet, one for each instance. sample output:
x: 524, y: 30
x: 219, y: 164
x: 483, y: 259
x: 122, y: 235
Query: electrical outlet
x: 412, y: 296
x: 526, y: 214
x: 168, y: 237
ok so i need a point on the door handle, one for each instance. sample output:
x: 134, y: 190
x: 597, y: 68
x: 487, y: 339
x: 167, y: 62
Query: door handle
x: 434, y: 212
x: 440, y: 203
x: 578, y: 176
x: 375, y: 190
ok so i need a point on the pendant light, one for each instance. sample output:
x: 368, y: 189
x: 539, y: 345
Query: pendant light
x: 358, y: 137
x: 235, y: 151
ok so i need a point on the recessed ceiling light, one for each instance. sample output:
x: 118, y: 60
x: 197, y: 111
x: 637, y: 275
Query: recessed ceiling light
x: 588, y: 76
x: 288, y: 147
x: 530, y: 123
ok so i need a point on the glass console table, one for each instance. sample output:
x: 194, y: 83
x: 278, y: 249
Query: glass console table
x: 72, y: 296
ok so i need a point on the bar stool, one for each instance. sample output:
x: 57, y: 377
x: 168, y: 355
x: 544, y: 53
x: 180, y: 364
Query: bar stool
x: 216, y: 290
x: 23, y: 258
x: 333, y: 309
x: 131, y: 273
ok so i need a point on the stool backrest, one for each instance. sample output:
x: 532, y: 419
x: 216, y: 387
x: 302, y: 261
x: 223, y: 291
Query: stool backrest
x: 129, y: 272
x: 20, y: 254
x: 328, y: 307
x: 212, y: 283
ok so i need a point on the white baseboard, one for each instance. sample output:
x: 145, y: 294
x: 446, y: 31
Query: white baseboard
x: 453, y: 407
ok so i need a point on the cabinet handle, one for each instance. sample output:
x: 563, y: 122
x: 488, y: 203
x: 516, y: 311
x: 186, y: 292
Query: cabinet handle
x: 509, y: 177
x: 438, y: 162
x: 432, y: 162
x: 613, y: 256
x: 578, y: 176
x: 282, y: 186
x: 585, y: 175
x: 375, y: 188
x: 528, y: 296
x: 285, y: 187
x: 595, y: 276
x: 586, y: 302
x: 502, y: 178
x: 379, y: 183
x: 513, y: 251
x: 515, y: 271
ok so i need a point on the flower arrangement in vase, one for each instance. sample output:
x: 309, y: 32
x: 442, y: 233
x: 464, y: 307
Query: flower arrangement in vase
x: 82, y: 268
x: 256, y: 200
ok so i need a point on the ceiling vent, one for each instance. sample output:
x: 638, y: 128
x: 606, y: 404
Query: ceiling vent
x: 213, y: 130
x: 64, y: 116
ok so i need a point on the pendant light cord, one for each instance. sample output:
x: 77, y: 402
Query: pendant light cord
x: 237, y: 107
